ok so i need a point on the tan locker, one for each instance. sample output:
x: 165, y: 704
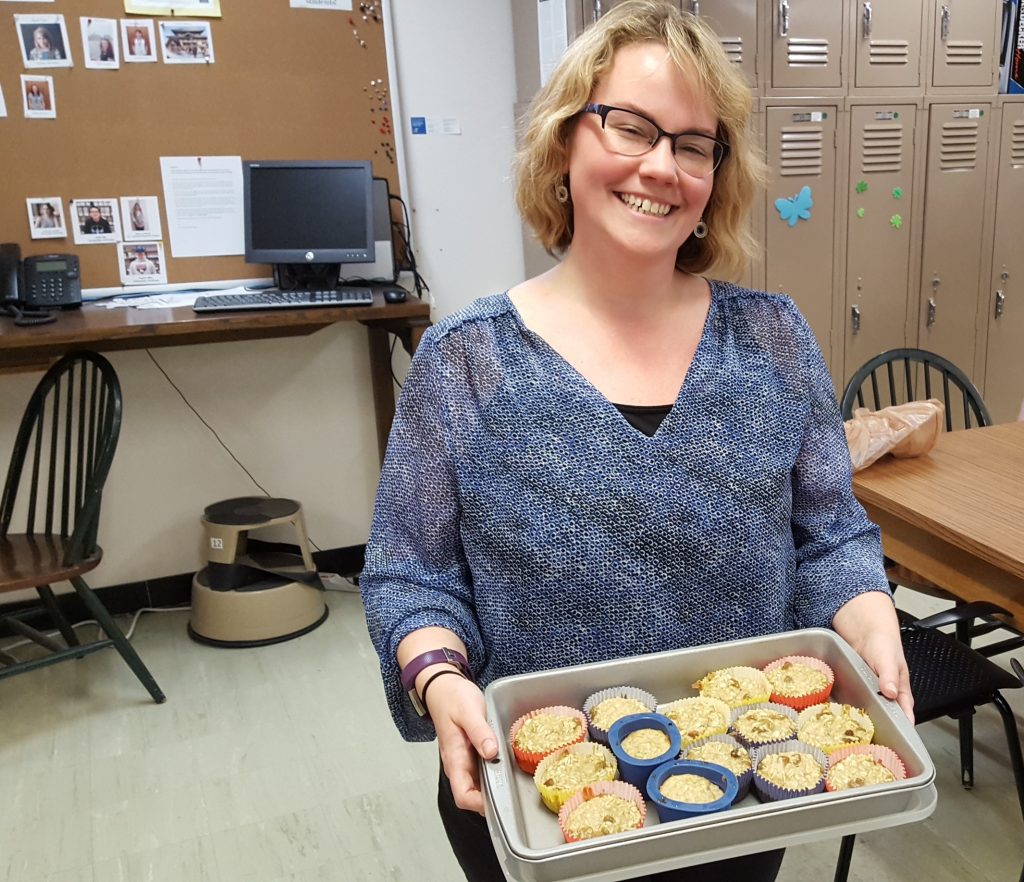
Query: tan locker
x: 591, y: 10
x: 965, y: 44
x: 735, y: 22
x: 799, y: 249
x: 1004, y: 368
x: 954, y: 214
x: 806, y: 44
x: 887, y: 43
x: 879, y: 231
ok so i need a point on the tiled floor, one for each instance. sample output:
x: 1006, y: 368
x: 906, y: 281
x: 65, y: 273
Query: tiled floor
x: 281, y: 763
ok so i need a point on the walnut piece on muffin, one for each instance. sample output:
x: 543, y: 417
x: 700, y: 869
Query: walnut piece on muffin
x: 761, y: 725
x: 833, y: 725
x: 858, y: 770
x: 546, y: 732
x: 690, y: 788
x: 735, y: 759
x: 601, y: 816
x: 646, y: 743
x: 606, y: 712
x: 793, y: 679
x: 735, y: 686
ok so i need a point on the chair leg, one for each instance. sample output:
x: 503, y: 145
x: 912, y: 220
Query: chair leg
x: 1012, y: 745
x: 966, y: 724
x: 50, y: 602
x: 845, y: 856
x: 117, y: 637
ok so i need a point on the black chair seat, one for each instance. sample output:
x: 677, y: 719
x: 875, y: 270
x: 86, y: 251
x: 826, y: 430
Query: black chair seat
x: 948, y: 678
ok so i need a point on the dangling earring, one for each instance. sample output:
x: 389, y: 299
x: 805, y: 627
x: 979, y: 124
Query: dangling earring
x: 562, y: 192
x: 701, y: 230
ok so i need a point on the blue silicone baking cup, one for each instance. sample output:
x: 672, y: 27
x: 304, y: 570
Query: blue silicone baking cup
x: 632, y: 769
x: 670, y: 809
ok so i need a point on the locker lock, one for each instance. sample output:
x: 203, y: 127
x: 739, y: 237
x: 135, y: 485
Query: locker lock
x: 855, y: 319
x: 867, y: 20
x: 783, y: 18
x: 931, y: 311
x: 1000, y: 302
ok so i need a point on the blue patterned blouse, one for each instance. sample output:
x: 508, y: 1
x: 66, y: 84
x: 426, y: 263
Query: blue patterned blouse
x: 518, y: 508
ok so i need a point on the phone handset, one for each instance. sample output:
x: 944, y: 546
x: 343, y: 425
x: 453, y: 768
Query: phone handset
x: 11, y: 289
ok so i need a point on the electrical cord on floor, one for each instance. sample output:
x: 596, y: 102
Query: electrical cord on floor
x: 99, y: 631
x: 213, y: 431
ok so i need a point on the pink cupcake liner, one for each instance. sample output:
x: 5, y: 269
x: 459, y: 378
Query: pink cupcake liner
x: 749, y: 743
x: 601, y: 788
x: 645, y: 698
x: 527, y: 760
x: 767, y: 791
x: 885, y: 755
x: 800, y: 702
x: 742, y: 778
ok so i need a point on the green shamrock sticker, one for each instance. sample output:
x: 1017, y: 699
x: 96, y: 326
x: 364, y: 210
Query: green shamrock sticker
x: 897, y: 192
x: 862, y: 187
x: 896, y: 222
x: 860, y: 212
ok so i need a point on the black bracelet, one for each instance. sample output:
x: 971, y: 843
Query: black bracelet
x: 432, y: 678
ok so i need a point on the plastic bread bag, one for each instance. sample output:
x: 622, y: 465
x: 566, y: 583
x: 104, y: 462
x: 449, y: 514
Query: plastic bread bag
x: 904, y: 430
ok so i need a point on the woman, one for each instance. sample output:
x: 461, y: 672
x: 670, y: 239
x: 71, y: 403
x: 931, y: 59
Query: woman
x: 138, y: 217
x: 42, y: 46
x: 106, y: 50
x: 140, y: 45
x: 36, y: 100
x: 47, y: 219
x: 617, y: 457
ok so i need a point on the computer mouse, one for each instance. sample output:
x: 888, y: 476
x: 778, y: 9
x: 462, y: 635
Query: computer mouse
x: 395, y: 295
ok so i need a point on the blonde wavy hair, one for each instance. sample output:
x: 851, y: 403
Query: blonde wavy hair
x: 543, y: 155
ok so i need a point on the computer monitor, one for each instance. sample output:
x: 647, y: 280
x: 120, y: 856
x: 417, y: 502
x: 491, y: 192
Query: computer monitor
x: 308, y: 218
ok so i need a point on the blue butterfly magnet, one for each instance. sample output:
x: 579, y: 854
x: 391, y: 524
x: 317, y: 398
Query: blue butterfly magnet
x: 796, y: 207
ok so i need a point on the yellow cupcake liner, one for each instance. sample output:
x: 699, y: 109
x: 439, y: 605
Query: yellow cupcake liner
x: 761, y: 694
x: 554, y: 798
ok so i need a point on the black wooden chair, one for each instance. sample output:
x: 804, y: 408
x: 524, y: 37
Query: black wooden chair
x: 902, y: 375
x: 62, y: 454
x: 949, y: 679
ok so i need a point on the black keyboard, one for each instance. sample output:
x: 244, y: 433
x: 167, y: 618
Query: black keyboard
x: 271, y: 298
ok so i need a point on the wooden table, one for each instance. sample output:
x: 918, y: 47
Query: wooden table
x: 956, y: 515
x: 98, y: 328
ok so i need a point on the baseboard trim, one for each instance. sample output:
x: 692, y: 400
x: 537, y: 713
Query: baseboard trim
x: 174, y: 590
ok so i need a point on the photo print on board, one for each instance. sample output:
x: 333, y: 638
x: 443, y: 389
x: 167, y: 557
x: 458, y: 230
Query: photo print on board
x: 186, y: 42
x: 141, y: 218
x: 99, y: 43
x: 46, y: 217
x: 43, y: 40
x: 141, y: 263
x: 37, y: 97
x: 95, y: 221
x: 3, y: 105
x: 139, y: 42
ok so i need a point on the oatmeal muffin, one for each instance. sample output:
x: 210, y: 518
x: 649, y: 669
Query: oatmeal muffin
x: 602, y: 809
x: 863, y: 765
x: 697, y: 718
x: 606, y: 706
x: 562, y: 773
x: 799, y: 681
x: 727, y: 752
x: 646, y: 743
x: 543, y: 731
x: 782, y: 771
x: 763, y: 724
x: 831, y: 726
x: 690, y: 788
x: 735, y: 686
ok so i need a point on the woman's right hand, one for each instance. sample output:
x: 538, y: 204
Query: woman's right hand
x: 456, y: 706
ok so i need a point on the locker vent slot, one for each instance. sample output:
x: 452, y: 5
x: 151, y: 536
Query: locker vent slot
x: 965, y: 52
x: 1017, y: 145
x: 959, y: 148
x: 802, y: 151
x: 881, y: 149
x: 809, y: 52
x: 733, y: 47
x: 889, y: 52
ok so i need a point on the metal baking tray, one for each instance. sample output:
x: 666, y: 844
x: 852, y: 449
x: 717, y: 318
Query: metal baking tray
x: 526, y: 835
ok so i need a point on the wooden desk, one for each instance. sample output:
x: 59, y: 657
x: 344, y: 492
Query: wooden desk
x: 98, y: 328
x: 956, y: 515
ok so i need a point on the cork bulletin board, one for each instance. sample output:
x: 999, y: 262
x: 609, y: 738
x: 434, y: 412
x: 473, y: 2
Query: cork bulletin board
x: 286, y: 84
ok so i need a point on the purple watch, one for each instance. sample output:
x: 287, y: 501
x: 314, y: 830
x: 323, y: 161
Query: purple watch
x: 435, y: 656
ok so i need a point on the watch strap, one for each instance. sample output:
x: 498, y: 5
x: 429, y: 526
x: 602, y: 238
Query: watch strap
x: 443, y: 655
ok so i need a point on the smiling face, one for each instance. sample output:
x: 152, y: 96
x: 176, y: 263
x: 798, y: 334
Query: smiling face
x: 94, y: 213
x: 643, y: 206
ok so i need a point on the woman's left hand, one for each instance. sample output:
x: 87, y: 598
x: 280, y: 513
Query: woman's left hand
x: 869, y: 624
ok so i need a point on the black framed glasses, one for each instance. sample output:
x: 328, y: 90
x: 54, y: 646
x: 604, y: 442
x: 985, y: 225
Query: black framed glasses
x: 629, y: 133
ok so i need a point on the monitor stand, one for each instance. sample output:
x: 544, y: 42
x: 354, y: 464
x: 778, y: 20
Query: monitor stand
x: 306, y: 276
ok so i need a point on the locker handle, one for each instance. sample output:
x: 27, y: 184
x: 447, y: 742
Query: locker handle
x: 783, y: 18
x: 695, y: 7
x: 1000, y: 302
x: 598, y: 12
x: 945, y: 23
x: 855, y: 318
x: 931, y: 311
x: 867, y: 20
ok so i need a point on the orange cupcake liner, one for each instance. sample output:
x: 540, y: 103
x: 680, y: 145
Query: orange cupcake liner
x: 527, y: 760
x: 885, y: 755
x: 801, y: 702
x: 601, y: 788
